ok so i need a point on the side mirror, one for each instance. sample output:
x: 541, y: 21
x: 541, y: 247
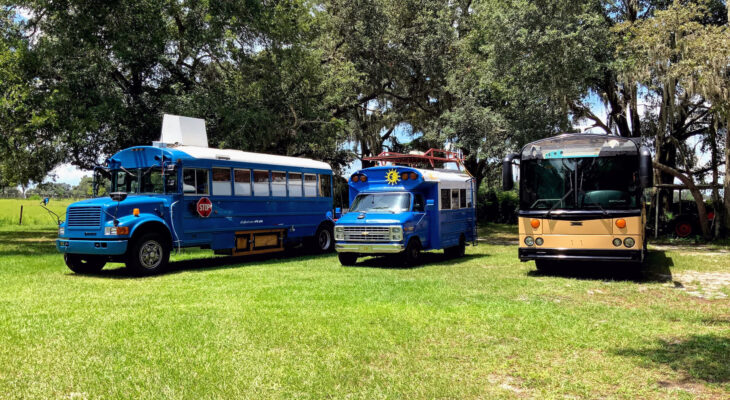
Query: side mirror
x: 646, y: 169
x: 118, y: 196
x: 508, y: 182
x: 45, y: 201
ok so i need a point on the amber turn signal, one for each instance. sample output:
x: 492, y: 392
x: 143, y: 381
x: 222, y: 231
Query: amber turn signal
x: 355, y: 178
x: 135, y: 212
x: 363, y: 178
x: 122, y: 230
x: 535, y: 223
x: 404, y: 176
x: 621, y: 223
x: 414, y: 176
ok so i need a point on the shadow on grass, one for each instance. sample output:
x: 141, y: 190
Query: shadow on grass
x: 27, y: 242
x: 213, y: 263
x: 429, y: 260
x: 703, y: 357
x: 656, y: 268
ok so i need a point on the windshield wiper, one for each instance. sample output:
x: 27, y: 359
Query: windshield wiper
x: 559, y: 202
x: 605, y: 212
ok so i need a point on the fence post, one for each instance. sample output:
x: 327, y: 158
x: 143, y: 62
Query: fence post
x: 21, y: 216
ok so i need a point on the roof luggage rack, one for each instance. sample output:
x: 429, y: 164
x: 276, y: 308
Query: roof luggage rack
x: 430, y: 159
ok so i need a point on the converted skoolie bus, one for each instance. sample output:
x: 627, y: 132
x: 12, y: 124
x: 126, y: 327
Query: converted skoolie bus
x: 581, y: 199
x: 180, y: 193
x: 396, y: 209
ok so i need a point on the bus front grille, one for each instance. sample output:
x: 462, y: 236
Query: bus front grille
x: 367, y: 234
x: 83, y: 216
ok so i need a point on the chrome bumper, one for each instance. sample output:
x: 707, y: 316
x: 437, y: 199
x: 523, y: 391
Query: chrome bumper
x: 372, y: 248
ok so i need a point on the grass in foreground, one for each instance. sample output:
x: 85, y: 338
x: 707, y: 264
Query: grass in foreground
x: 483, y: 326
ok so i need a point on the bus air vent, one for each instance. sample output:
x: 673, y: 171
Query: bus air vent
x: 83, y: 216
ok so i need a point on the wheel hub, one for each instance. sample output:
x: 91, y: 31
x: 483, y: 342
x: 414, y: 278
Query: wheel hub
x: 150, y: 254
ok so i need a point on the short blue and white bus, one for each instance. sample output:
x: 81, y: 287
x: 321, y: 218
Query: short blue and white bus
x: 173, y: 194
x: 404, y: 210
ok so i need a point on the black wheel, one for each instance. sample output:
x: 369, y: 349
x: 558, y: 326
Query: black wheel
x: 683, y: 228
x: 412, y: 254
x: 84, y: 264
x: 323, y: 239
x: 546, y: 265
x: 148, y: 255
x: 458, y: 250
x: 347, y: 259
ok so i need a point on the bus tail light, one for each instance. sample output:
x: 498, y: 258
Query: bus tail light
x: 621, y: 223
x: 535, y: 223
x: 135, y: 212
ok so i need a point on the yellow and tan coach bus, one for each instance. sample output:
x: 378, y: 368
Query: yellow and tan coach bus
x: 581, y: 199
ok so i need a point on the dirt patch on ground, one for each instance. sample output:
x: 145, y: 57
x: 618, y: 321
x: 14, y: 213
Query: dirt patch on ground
x: 705, y: 285
x: 691, y: 249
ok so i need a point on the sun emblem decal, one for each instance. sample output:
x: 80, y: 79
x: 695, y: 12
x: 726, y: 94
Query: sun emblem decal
x: 392, y: 177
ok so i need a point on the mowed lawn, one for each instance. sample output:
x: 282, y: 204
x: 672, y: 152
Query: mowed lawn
x: 302, y: 326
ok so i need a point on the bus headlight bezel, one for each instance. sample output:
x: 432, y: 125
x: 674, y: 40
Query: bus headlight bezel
x: 396, y: 233
x: 617, y: 242
x: 529, y: 241
x: 61, y: 231
x: 629, y: 242
x: 539, y: 241
x: 339, y: 233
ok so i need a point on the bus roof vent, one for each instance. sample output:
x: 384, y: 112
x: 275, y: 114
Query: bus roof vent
x: 183, y: 131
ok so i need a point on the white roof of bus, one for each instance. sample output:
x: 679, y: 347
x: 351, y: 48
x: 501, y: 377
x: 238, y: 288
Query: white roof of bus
x: 443, y: 176
x: 208, y: 153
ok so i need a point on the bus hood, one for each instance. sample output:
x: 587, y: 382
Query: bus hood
x: 354, y: 218
x: 143, y: 203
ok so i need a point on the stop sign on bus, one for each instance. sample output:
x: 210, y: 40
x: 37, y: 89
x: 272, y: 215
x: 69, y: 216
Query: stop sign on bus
x: 204, y: 207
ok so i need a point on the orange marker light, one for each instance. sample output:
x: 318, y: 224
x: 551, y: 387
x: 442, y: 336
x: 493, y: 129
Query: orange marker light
x: 621, y: 223
x: 135, y: 212
x: 355, y: 178
x: 122, y: 230
x: 404, y: 176
x: 363, y: 178
x: 414, y: 176
x: 535, y: 223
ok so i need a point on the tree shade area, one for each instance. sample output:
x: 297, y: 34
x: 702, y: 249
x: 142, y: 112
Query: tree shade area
x: 340, y: 80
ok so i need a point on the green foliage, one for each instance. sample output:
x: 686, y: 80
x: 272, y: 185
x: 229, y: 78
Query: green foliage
x: 497, y: 206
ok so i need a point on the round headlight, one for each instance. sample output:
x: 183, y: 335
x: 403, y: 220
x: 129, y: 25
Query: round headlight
x: 529, y: 241
x: 617, y: 242
x: 539, y: 241
x: 629, y: 242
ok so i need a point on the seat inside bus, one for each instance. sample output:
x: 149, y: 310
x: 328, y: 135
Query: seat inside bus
x: 606, y: 197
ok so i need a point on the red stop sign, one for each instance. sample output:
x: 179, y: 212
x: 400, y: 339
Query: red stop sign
x: 204, y: 207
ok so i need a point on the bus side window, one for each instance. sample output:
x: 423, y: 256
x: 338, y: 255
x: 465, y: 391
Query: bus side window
x: 445, y: 199
x: 221, y: 182
x: 242, y: 184
x: 310, y: 185
x: 454, y: 199
x: 418, y: 203
x: 325, y: 185
x: 260, y: 183
x: 295, y: 184
x: 462, y: 197
x: 201, y: 181
x: 278, y: 183
x: 188, y: 181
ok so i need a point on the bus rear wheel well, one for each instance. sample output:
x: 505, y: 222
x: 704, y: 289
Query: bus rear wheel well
x: 154, y: 227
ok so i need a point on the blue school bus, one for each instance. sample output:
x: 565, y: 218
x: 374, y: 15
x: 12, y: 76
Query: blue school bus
x: 180, y: 193
x: 404, y: 210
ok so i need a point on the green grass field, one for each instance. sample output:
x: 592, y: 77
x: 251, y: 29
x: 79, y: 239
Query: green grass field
x: 302, y: 326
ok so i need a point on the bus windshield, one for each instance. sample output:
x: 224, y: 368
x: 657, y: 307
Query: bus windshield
x: 145, y: 180
x: 382, y: 202
x: 581, y: 183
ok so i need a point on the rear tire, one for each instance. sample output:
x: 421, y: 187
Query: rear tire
x: 148, y: 255
x: 546, y: 266
x: 84, y: 264
x: 457, y: 251
x: 324, y: 239
x: 347, y: 259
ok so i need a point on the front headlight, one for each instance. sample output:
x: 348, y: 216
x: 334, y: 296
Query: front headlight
x: 61, y: 231
x: 396, y: 233
x: 116, y: 230
x: 339, y: 233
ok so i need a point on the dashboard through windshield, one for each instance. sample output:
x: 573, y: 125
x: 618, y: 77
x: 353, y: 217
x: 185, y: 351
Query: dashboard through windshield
x: 582, y: 183
x: 143, y: 180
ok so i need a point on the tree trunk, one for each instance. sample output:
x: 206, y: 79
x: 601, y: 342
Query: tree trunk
x: 716, y: 203
x: 696, y: 194
x: 726, y: 182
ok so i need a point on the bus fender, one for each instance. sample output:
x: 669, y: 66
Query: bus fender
x: 147, y: 223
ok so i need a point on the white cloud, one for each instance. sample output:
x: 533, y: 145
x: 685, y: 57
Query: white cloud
x: 67, y: 173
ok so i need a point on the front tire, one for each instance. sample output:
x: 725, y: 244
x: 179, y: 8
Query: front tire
x: 347, y: 259
x: 149, y: 255
x: 412, y: 254
x: 84, y: 264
